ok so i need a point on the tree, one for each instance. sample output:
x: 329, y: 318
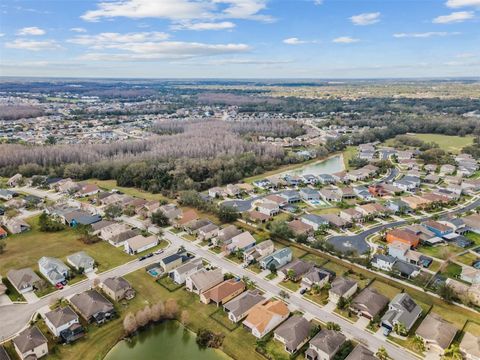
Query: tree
x: 333, y: 326
x: 207, y: 338
x: 280, y: 230
x: 291, y: 274
x: 171, y: 309
x: 130, y: 324
x: 143, y: 316
x: 50, y: 140
x: 158, y: 311
x: 272, y: 268
x: 418, y: 343
x: 227, y: 214
x: 400, y: 329
x: 184, y: 317
x: 160, y: 219
x: 342, y: 303
x: 314, y: 330
x: 47, y: 224
x: 283, y: 294
x: 446, y: 292
x: 113, y: 211
x: 453, y: 352
x: 382, y: 354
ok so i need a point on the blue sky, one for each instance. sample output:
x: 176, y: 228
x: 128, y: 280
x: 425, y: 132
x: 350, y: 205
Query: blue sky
x: 240, y: 38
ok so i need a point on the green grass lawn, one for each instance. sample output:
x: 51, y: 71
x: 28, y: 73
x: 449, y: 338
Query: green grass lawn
x: 467, y: 258
x: 452, y: 270
x: 290, y: 285
x: 112, y: 184
x: 312, y: 258
x: 349, y: 153
x: 276, y: 350
x: 24, y: 250
x: 435, y: 266
x: 385, y: 289
x: 439, y: 252
x: 473, y: 328
x: 347, y: 315
x: 271, y: 276
x: 474, y: 237
x: 339, y: 269
x: 449, y: 143
x: 408, y: 343
x: 320, y: 298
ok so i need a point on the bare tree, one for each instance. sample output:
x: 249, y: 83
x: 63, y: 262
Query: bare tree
x: 184, y: 317
x: 158, y: 310
x: 171, y: 309
x: 143, y: 316
x: 130, y: 324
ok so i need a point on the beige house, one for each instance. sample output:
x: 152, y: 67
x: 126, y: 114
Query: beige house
x: 223, y: 292
x: 470, y: 346
x: 436, y: 332
x: 342, y: 287
x: 203, y: 280
x: 31, y: 344
x: 117, y: 288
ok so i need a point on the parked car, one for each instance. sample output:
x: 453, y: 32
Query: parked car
x: 59, y: 286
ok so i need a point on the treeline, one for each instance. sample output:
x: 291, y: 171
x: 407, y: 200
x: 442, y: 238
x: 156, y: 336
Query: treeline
x: 15, y: 112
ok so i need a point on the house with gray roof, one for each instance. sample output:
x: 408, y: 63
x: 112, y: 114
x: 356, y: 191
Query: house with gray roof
x: 117, y: 288
x: 93, y: 306
x: 436, y: 332
x: 225, y: 235
x: 369, y: 303
x: 24, y: 280
x: 309, y: 194
x: 31, y: 344
x: 203, y: 280
x: 293, y: 333
x: 401, y: 310
x: 238, y: 308
x: 325, y: 345
x: 361, y: 353
x: 314, y: 221
x: 297, y: 268
x: 342, y: 287
x: 53, y: 269
x: 61, y: 319
x: 276, y: 259
x: 180, y: 274
x: 81, y: 261
x: 315, y: 276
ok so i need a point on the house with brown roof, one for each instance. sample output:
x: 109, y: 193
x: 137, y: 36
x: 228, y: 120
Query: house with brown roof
x: 31, y: 344
x: 257, y: 217
x: 140, y: 243
x: 300, y: 228
x: 369, y: 303
x: 293, y: 333
x: 263, y: 318
x: 325, y: 345
x: 436, y: 332
x: 225, y: 235
x: 187, y: 217
x: 361, y: 353
x: 87, y: 190
x: 404, y: 236
x: 342, y: 287
x: 238, y: 308
x: 297, y: 268
x: 223, y: 292
x: 117, y: 288
x: 352, y: 215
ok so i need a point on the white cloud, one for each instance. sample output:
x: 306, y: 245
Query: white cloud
x: 179, y: 10
x: 462, y: 3
x: 107, y: 40
x: 78, y: 29
x: 33, y: 45
x: 455, y: 17
x: 465, y: 55
x: 294, y: 41
x: 365, y: 18
x: 318, y: 2
x: 345, y: 40
x: 201, y: 26
x: 2, y: 34
x: 33, y: 31
x: 424, y: 34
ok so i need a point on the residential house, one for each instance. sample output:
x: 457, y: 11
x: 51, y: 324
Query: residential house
x: 187, y: 217
x: 3, y: 233
x: 293, y: 333
x: 342, y: 287
x: 259, y: 251
x: 330, y: 195
x: 215, y: 192
x: 436, y: 332
x: 325, y: 345
x: 401, y: 310
x: 87, y: 190
x: 179, y: 274
x: 300, y: 228
x: 14, y: 180
x: 171, y: 262
x: 171, y: 211
x: 405, y: 269
x: 140, y: 243
x: 80, y: 217
x: 223, y: 292
x: 326, y: 179
x: 276, y: 259
x: 369, y: 303
x: 296, y: 269
x: 470, y: 346
x: 372, y: 210
x: 257, y: 217
x: 61, y: 319
x: 291, y: 196
x: 30, y: 344
x: 415, y: 202
x: 114, y: 229
x: 238, y: 308
x: 242, y: 242
x: 264, y: 317
x: 117, y: 288
x: 276, y: 199
x: 24, y: 280
x: 16, y: 226
x: 203, y: 280
x: 310, y: 179
x: 7, y: 194
x: 447, y: 169
x: 193, y: 226
x: 315, y: 221
x: 437, y: 228
x: 351, y: 215
x: 347, y: 193
x: 120, y: 239
x: 336, y: 221
x: 225, y: 235
x: 98, y: 226
x: 232, y: 190
x: 268, y: 208
x: 93, y: 306
x: 315, y: 277
x: 361, y: 353
x: 81, y: 261
x: 53, y: 269
x: 383, y: 262
x: 404, y: 236
x: 207, y: 232
x: 308, y: 194
x: 470, y: 275
x: 473, y: 221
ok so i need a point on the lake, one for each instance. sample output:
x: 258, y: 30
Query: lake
x: 329, y: 166
x: 167, y: 340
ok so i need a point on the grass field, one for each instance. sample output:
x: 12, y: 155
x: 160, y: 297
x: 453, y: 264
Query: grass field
x: 24, y: 250
x: 449, y: 143
x: 349, y: 153
x: 112, y: 184
x: 385, y: 289
x: 439, y: 252
x: 467, y: 258
x: 290, y: 285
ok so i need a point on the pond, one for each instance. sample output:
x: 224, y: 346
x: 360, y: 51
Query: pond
x: 329, y: 166
x: 167, y: 340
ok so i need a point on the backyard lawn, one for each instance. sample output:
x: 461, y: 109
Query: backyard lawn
x: 24, y: 250
x: 349, y: 153
x: 385, y: 289
x: 450, y: 143
x: 440, y: 252
x: 474, y: 237
x: 112, y: 184
x: 467, y: 258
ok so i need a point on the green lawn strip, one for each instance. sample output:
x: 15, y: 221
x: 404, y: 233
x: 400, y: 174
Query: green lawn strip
x: 467, y: 258
x: 320, y: 298
x: 189, y: 237
x: 255, y: 268
x: 385, y: 289
x: 233, y: 257
x: 452, y: 270
x: 290, y: 285
x: 169, y: 284
x: 349, y: 153
x: 12, y: 293
x: 271, y: 276
x: 407, y: 343
x: 221, y: 317
x: 474, y: 237
x: 345, y: 313
x: 24, y: 250
x: 440, y: 252
x: 435, y: 266
x: 339, y: 269
x: 449, y: 143
x: 317, y: 260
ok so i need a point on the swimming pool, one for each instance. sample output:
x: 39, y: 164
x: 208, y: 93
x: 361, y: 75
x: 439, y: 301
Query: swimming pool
x: 153, y: 272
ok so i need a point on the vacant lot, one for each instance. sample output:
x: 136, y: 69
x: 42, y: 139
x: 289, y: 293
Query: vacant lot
x: 112, y: 184
x: 449, y: 143
x: 24, y: 250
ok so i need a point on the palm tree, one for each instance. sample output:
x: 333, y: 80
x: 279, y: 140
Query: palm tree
x: 418, y: 343
x: 400, y: 329
x: 382, y: 354
x: 453, y: 352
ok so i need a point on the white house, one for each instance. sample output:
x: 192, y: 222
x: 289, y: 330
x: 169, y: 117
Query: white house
x: 60, y: 319
x: 140, y: 243
x: 81, y: 261
x: 180, y: 274
x: 53, y: 269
